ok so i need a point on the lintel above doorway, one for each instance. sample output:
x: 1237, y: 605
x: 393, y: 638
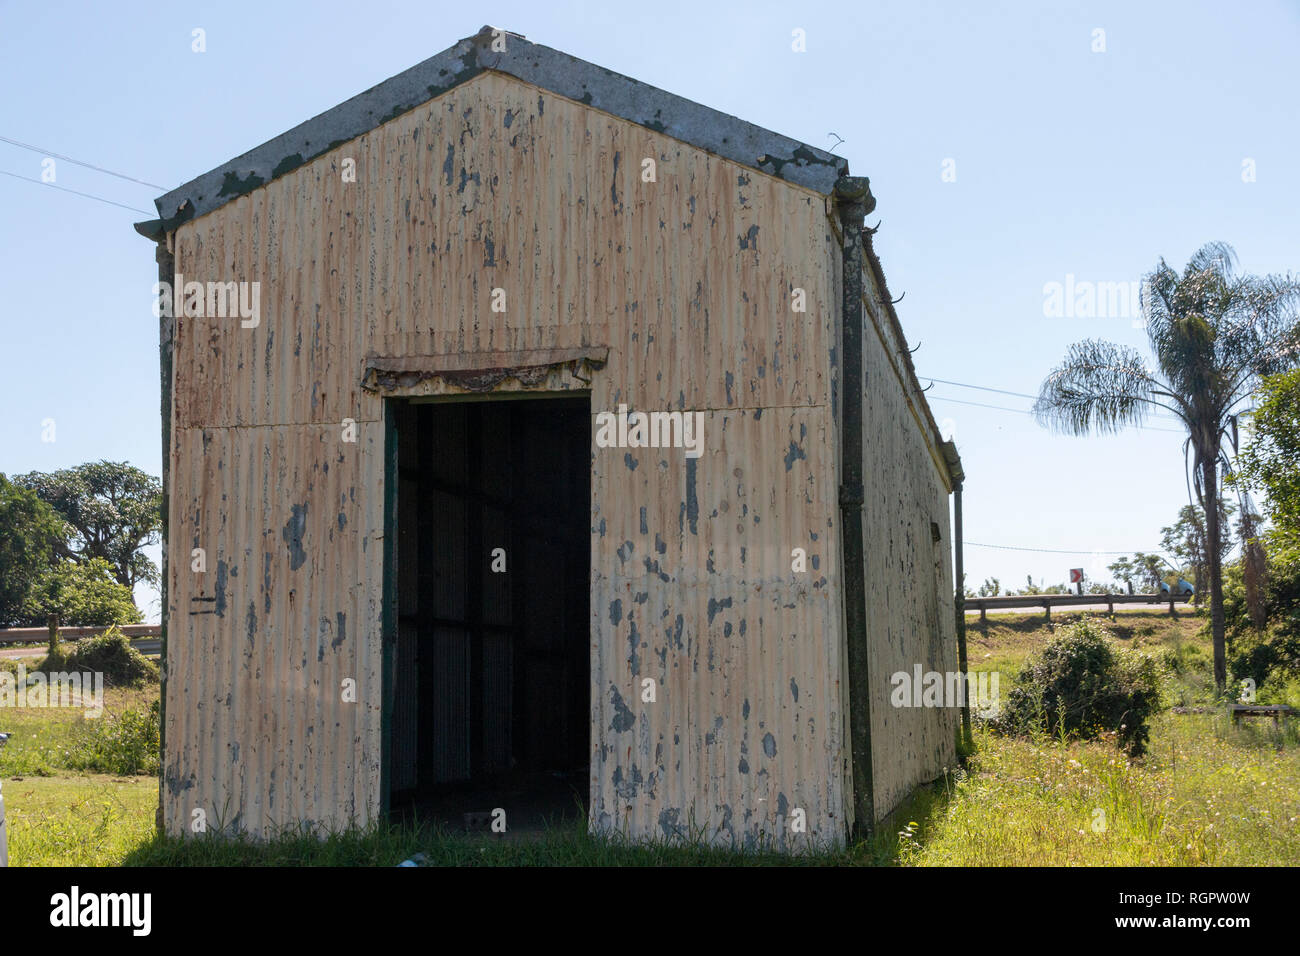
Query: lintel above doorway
x: 460, y: 373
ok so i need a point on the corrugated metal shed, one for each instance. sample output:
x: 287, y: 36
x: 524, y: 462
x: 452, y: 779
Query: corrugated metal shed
x: 291, y: 692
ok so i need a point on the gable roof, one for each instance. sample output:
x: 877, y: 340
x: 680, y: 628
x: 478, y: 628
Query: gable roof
x: 551, y: 70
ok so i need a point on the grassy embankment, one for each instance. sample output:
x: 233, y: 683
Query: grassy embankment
x: 1207, y: 793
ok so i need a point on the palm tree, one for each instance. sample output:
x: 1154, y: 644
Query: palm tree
x: 1214, y: 335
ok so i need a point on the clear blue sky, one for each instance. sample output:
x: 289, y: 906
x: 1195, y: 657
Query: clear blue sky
x: 1066, y: 161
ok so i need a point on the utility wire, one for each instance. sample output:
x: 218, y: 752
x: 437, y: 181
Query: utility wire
x: 959, y: 401
x: 1007, y: 547
x: 74, y: 192
x: 1025, y: 411
x: 982, y: 388
x: 78, y: 162
x: 1002, y: 391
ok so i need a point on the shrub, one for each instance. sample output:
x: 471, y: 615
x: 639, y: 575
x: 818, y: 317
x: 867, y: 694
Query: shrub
x: 1257, y: 656
x: 82, y: 594
x: 1082, y: 686
x: 1190, y: 671
x: 112, y: 655
x: 1280, y: 687
x: 126, y: 744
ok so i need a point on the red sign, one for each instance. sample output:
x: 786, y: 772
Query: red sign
x: 1076, y: 575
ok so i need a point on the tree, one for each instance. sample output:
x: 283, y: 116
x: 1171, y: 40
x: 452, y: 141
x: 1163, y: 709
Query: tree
x: 1271, y: 462
x: 1144, y: 571
x: 1125, y: 571
x: 1185, y: 540
x: 1150, y: 569
x: 114, y: 510
x: 82, y: 594
x: 30, y: 534
x: 990, y: 588
x: 1271, y: 458
x: 1214, y: 335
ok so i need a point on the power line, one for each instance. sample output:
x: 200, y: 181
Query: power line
x: 74, y: 192
x: 1025, y: 411
x: 982, y: 388
x: 1007, y: 547
x: 78, y: 162
x: 959, y: 401
x: 1002, y: 391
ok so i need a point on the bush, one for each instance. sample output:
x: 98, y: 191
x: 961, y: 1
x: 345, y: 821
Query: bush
x: 1183, y: 660
x: 82, y: 594
x: 1191, y: 673
x: 126, y: 744
x: 1082, y: 686
x: 1280, y: 687
x: 110, y: 654
x: 1257, y: 656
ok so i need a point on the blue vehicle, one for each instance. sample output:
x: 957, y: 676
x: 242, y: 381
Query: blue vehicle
x: 1185, y: 589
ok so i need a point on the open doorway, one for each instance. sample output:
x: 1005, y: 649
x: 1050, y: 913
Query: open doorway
x: 490, y: 665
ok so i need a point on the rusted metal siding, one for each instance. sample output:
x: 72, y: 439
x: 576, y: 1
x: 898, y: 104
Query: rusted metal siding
x: 909, y: 575
x: 403, y: 262
x: 745, y: 654
x: 258, y: 731
x: 688, y: 282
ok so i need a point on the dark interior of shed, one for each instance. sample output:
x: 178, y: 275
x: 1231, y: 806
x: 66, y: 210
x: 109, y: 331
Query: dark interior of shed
x: 491, y: 666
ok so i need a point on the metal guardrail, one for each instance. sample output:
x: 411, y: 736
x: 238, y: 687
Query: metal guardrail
x: 41, y: 635
x: 1049, y: 601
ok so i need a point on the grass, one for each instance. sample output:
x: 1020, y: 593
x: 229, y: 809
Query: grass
x: 566, y: 845
x: 1207, y: 793
x: 88, y: 820
x: 48, y: 741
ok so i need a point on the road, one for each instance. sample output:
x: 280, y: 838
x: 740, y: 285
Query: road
x: 145, y: 645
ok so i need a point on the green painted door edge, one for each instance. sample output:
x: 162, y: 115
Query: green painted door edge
x: 389, y: 617
x: 166, y: 332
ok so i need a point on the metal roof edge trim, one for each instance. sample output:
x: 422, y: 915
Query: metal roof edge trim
x: 559, y: 73
x: 954, y: 468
